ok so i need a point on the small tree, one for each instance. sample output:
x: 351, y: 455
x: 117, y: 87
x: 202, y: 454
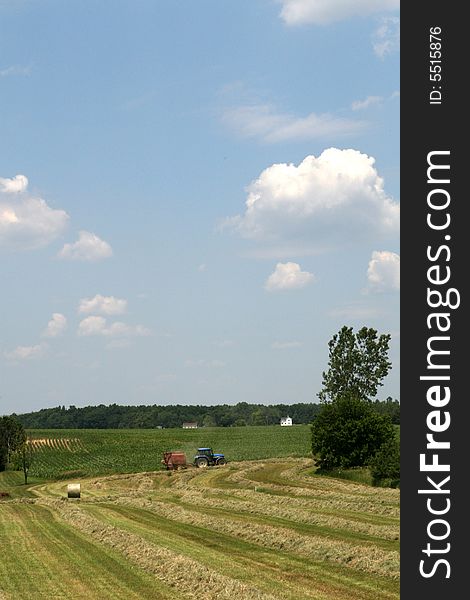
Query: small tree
x: 357, y: 364
x: 23, y: 457
x: 348, y: 432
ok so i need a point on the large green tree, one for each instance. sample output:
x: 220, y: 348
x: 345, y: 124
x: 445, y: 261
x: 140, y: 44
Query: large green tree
x: 348, y: 432
x: 357, y: 364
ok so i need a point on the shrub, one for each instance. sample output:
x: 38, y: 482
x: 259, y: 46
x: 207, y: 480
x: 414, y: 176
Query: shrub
x: 348, y: 432
x: 385, y: 464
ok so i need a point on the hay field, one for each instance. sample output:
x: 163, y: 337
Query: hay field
x: 253, y: 530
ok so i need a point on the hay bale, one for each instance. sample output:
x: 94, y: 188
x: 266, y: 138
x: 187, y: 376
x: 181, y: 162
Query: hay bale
x: 73, y: 490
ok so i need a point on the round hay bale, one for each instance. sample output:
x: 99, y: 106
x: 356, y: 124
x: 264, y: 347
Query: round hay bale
x: 73, y: 490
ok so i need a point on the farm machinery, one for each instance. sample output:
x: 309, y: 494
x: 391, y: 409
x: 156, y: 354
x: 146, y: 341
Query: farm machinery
x: 205, y: 457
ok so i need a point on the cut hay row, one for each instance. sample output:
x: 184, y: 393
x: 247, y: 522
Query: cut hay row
x: 368, y: 542
x: 368, y: 558
x: 341, y: 494
x: 265, y: 528
x: 359, y: 502
x: 278, y: 573
x: 188, y: 576
x: 45, y: 558
x: 231, y: 532
x: 287, y: 508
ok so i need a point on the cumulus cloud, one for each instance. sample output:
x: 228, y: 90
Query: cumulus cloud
x: 337, y: 193
x: 98, y: 326
x: 264, y: 122
x: 56, y: 326
x: 383, y: 273
x: 13, y: 185
x: 27, y: 222
x: 26, y: 352
x: 288, y: 276
x: 103, y: 305
x: 386, y: 38
x: 88, y: 247
x: 322, y: 12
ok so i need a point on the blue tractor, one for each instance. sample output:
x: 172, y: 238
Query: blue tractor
x: 205, y: 457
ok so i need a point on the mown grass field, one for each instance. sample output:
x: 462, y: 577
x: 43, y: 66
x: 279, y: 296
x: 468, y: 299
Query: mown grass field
x: 266, y: 529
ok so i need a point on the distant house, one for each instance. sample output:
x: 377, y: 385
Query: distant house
x: 286, y: 421
x: 190, y: 425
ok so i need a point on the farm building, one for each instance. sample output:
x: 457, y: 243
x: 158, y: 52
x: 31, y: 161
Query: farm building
x: 286, y: 421
x: 190, y: 425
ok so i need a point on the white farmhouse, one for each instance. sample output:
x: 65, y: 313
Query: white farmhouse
x: 286, y: 421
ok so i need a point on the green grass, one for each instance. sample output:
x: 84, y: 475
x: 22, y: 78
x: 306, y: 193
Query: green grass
x: 257, y: 530
x: 105, y: 451
x: 260, y: 529
x: 357, y: 474
x: 43, y: 557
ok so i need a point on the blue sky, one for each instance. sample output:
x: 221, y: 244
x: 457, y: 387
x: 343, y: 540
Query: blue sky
x: 194, y: 197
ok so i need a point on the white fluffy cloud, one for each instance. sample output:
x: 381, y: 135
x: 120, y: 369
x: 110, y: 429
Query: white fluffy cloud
x: 27, y: 222
x: 98, y: 326
x: 13, y: 185
x: 338, y: 193
x: 367, y: 102
x: 265, y: 123
x: 88, y: 247
x: 288, y: 276
x: 322, y: 12
x: 103, y: 305
x: 26, y: 352
x: 386, y: 38
x: 56, y: 326
x: 383, y: 273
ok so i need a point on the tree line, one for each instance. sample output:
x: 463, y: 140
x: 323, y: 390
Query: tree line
x: 117, y: 416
